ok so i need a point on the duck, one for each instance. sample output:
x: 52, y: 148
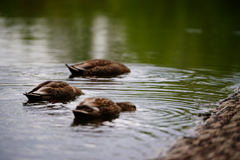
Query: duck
x: 53, y: 91
x: 101, y: 108
x: 98, y: 67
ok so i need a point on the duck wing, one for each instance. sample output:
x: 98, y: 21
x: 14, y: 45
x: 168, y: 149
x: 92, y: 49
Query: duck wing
x: 47, y: 90
x: 96, y: 108
x: 40, y: 86
x: 91, y: 64
x: 79, y: 67
x: 98, y: 67
x: 48, y: 87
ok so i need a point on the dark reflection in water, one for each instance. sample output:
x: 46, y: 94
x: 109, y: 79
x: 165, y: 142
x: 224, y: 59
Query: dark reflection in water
x: 183, y: 55
x: 179, y: 34
x: 94, y: 122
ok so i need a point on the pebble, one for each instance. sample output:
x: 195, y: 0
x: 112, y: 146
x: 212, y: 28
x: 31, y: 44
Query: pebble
x: 216, y: 125
x: 209, y: 120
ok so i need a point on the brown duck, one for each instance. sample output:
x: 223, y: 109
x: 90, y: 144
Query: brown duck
x: 101, y: 108
x: 54, y: 91
x: 98, y: 67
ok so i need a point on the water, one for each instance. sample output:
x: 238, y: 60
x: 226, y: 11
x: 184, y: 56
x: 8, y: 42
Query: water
x: 179, y: 68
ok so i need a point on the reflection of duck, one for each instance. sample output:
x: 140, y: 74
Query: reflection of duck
x: 102, y: 108
x: 53, y: 91
x: 84, y: 122
x: 98, y: 67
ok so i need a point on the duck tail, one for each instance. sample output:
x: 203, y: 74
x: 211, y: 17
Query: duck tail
x: 74, y: 70
x: 33, y: 97
x: 79, y: 114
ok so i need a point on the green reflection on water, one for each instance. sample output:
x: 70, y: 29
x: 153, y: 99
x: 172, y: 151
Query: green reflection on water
x: 181, y: 34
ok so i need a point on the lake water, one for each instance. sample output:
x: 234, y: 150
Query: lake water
x: 182, y: 63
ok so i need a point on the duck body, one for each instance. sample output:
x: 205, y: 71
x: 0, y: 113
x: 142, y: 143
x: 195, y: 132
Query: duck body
x: 98, y: 67
x: 100, y: 108
x: 54, y: 91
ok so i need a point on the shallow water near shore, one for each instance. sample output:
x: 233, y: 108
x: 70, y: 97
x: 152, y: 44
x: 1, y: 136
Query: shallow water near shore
x: 176, y: 73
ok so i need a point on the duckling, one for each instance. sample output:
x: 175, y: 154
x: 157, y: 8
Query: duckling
x: 98, y: 67
x: 53, y: 91
x: 101, y: 108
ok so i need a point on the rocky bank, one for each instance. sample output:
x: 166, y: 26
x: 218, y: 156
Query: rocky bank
x: 217, y: 139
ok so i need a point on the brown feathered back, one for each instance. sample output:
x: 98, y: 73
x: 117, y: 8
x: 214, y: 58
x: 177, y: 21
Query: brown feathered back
x: 92, y: 108
x: 98, y: 67
x: 53, y: 91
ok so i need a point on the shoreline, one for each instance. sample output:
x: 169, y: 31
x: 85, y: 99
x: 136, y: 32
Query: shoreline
x: 217, y: 138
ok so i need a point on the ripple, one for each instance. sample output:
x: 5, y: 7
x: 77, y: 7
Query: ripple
x: 167, y: 101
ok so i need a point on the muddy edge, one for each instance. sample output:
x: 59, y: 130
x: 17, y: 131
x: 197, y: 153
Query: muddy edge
x: 218, y: 138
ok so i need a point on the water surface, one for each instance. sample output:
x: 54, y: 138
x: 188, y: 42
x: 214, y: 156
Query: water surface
x: 180, y: 66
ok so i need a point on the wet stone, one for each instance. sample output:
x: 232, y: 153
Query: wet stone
x: 204, y: 136
x: 210, y: 120
x: 230, y: 103
x: 238, y: 106
x: 236, y: 117
x: 237, y: 145
x: 218, y: 139
x: 210, y: 131
x: 216, y: 125
x: 230, y: 126
x: 211, y: 155
x: 213, y: 110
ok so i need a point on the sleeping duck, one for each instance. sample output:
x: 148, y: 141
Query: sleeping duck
x: 101, y: 108
x: 98, y: 67
x: 53, y: 91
